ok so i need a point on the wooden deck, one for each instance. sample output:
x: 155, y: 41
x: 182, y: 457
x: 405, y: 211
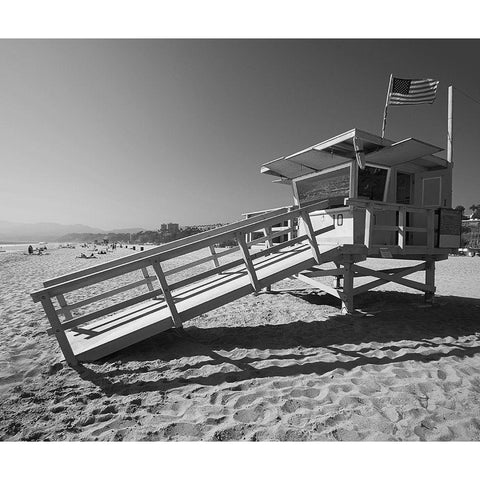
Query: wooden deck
x: 103, y: 337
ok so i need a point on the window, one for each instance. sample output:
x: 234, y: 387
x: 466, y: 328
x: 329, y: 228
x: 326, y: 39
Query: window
x: 372, y: 182
x: 333, y: 185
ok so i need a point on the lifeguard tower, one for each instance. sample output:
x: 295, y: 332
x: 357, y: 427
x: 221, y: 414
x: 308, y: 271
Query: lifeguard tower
x: 355, y: 196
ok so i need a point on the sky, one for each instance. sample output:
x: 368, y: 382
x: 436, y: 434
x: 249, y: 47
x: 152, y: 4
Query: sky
x: 135, y: 133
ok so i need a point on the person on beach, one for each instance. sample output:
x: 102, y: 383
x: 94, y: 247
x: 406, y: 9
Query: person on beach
x: 30, y: 249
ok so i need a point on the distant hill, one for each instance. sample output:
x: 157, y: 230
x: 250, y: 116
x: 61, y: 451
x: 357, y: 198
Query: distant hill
x: 48, y: 232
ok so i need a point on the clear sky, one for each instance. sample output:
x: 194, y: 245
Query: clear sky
x: 135, y: 133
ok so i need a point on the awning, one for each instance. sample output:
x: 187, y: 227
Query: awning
x: 341, y: 149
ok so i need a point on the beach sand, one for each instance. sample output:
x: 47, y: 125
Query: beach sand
x: 279, y: 366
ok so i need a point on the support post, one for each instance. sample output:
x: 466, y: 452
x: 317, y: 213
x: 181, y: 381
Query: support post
x: 177, y: 321
x: 63, y: 303
x: 311, y: 236
x: 146, y: 276
x: 347, y: 297
x: 430, y: 228
x: 214, y: 254
x: 450, y: 126
x: 248, y: 261
x: 58, y: 331
x: 402, y: 215
x: 430, y: 280
x: 368, y: 225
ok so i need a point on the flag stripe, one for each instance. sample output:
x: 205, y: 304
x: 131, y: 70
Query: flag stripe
x: 412, y: 91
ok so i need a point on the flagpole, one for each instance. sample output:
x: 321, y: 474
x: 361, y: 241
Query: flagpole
x: 384, y: 124
x: 450, y: 126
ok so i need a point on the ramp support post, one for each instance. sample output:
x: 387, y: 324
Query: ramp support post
x: 311, y: 236
x: 347, y: 296
x: 177, y: 321
x: 248, y: 261
x: 430, y: 280
x: 58, y: 331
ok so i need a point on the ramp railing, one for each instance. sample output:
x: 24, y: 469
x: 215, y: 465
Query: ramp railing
x: 147, y: 266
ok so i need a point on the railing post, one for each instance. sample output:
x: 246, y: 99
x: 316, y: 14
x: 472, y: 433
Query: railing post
x: 430, y: 228
x: 214, y: 254
x: 63, y: 303
x: 368, y: 225
x: 311, y: 235
x: 240, y: 236
x: 177, y: 321
x: 401, y: 227
x: 146, y: 276
x: 430, y: 279
x: 58, y: 330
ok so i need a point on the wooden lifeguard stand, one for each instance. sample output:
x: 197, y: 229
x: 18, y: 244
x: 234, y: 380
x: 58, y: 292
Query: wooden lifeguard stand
x: 394, y: 198
x: 355, y: 196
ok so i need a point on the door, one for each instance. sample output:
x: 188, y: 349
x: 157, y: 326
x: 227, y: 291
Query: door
x: 405, y: 195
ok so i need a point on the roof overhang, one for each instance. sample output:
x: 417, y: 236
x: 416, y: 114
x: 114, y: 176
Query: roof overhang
x: 359, y: 145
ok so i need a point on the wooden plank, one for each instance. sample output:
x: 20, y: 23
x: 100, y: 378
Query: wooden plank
x: 311, y: 236
x: 147, y: 278
x: 347, y: 297
x: 162, y: 248
x: 368, y: 226
x: 430, y: 229
x: 214, y: 256
x: 248, y: 261
x: 103, y: 295
x: 385, y: 278
x: 65, y: 308
x: 167, y: 294
x: 430, y: 280
x: 402, y: 223
x: 76, y: 321
x: 58, y: 330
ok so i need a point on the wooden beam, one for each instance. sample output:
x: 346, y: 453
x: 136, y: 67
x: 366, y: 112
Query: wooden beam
x: 348, y: 291
x: 58, y: 330
x: 64, y: 307
x: 430, y: 229
x: 368, y: 226
x: 311, y: 236
x: 248, y: 261
x: 103, y: 295
x: 177, y: 321
x: 214, y: 256
x: 148, y: 279
x: 430, y: 280
x: 386, y: 278
x: 76, y: 321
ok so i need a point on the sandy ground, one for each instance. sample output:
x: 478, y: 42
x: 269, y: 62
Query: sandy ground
x: 277, y: 366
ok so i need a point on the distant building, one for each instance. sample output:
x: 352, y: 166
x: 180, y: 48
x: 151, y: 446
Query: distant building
x: 172, y: 228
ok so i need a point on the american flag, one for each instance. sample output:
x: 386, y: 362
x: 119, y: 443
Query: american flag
x: 412, y: 92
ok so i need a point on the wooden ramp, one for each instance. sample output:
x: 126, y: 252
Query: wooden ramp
x: 142, y: 321
x: 92, y: 335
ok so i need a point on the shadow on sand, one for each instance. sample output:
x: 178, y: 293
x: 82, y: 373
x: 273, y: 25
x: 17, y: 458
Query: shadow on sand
x: 388, y: 318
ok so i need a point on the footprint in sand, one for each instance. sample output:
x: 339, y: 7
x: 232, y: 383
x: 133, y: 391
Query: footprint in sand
x: 250, y: 415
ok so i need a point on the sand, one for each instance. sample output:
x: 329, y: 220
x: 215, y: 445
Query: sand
x: 277, y: 366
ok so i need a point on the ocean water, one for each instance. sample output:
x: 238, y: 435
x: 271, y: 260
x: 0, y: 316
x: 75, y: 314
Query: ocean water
x: 23, y: 247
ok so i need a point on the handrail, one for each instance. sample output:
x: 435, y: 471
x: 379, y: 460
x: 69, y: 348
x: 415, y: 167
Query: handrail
x: 386, y: 206
x: 134, y: 262
x: 160, y: 248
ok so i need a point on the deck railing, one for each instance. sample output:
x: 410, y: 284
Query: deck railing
x: 400, y: 226
x: 58, y: 287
